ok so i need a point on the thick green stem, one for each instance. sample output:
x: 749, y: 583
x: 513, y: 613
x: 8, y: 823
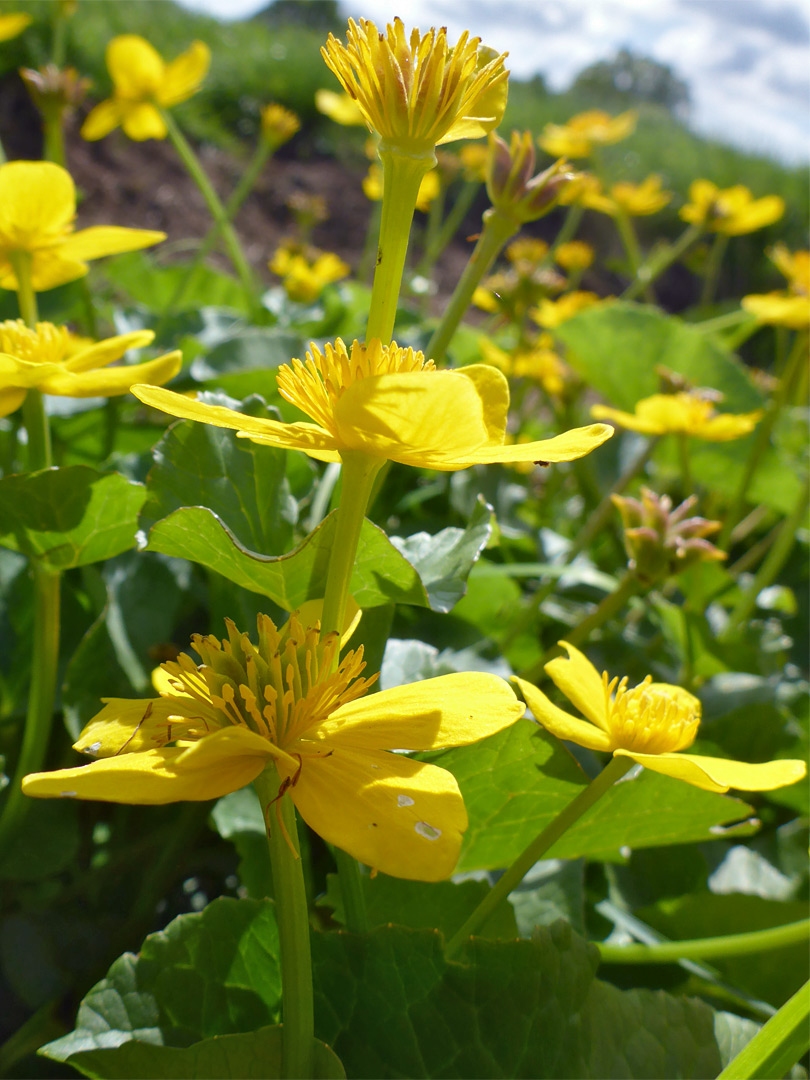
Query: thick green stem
x: 498, y: 230
x: 793, y: 369
x: 771, y: 566
x: 777, y: 1046
x: 633, y: 251
x: 292, y: 916
x: 613, y: 771
x: 716, y: 253
x: 611, y: 605
x: 215, y: 207
x: 655, y: 266
x: 755, y: 941
x: 402, y: 177
x: 232, y: 207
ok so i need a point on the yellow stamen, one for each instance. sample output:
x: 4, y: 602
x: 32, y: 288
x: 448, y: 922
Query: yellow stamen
x: 650, y: 718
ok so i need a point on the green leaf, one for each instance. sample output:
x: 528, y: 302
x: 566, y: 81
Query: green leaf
x: 241, y: 484
x: 154, y: 286
x: 253, y: 1055
x: 381, y: 575
x: 247, y: 362
x: 443, y: 905
x: 69, y: 517
x: 206, y: 974
x: 47, y: 843
x: 617, y: 347
x: 515, y: 782
x: 444, y: 561
x: 238, y: 817
x: 393, y: 1006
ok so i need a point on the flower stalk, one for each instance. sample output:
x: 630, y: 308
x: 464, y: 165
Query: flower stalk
x: 292, y: 915
x: 613, y: 771
x: 716, y: 948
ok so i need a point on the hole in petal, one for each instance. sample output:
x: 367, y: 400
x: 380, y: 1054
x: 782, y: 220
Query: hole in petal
x: 93, y: 748
x: 68, y: 794
x: 404, y: 800
x: 428, y: 831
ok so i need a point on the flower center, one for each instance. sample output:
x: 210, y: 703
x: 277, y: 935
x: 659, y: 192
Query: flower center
x: 650, y: 718
x: 48, y: 344
x: 279, y: 688
x: 316, y: 385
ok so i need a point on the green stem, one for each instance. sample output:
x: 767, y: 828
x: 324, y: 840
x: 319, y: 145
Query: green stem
x: 568, y: 230
x: 613, y: 771
x: 54, y: 138
x: 754, y: 941
x: 215, y: 207
x: 655, y: 266
x: 458, y: 211
x: 631, y: 247
x: 771, y: 566
x: 232, y: 207
x: 366, y: 262
x: 794, y: 366
x: 401, y: 179
x: 611, y: 605
x: 59, y: 40
x: 777, y: 1046
x: 686, y: 469
x: 498, y: 230
x: 292, y: 916
x: 716, y: 253
x: 594, y: 525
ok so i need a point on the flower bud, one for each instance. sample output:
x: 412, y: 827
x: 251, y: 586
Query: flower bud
x: 510, y: 184
x: 54, y: 89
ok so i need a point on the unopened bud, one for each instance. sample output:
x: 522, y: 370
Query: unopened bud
x: 53, y: 89
x: 510, y: 184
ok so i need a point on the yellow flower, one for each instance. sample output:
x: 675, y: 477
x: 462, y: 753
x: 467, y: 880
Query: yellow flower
x: 14, y: 24
x: 787, y: 308
x: 218, y: 725
x: 474, y: 157
x: 418, y: 92
x: 143, y: 84
x: 585, y: 131
x: 528, y: 250
x: 428, y: 188
x: 37, y: 209
x: 51, y: 360
x: 636, y: 200
x: 575, y: 255
x: 307, y: 271
x: 390, y: 404
x: 683, y: 414
x: 649, y: 723
x: 551, y: 313
x: 278, y: 124
x: 341, y: 108
x: 536, y: 362
x: 731, y: 211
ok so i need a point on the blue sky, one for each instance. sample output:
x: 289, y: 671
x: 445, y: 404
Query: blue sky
x: 747, y: 62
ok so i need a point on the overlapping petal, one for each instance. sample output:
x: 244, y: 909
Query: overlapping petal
x: 183, y: 75
x: 721, y: 774
x: 100, y: 240
x: 136, y: 68
x: 400, y: 816
x: 581, y: 683
x: 111, y: 381
x: 561, y: 723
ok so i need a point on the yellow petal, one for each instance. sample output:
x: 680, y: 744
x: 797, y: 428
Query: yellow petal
x: 127, y: 726
x: 137, y: 69
x: 49, y: 270
x: 568, y: 446
x: 726, y: 426
x: 719, y: 774
x: 451, y: 710
x: 13, y: 24
x: 396, y: 815
x: 218, y: 764
x: 101, y: 353
x: 101, y: 120
x: 11, y: 398
x: 142, y: 121
x: 493, y: 390
x: 417, y: 418
x: 581, y: 683
x: 560, y: 723
x: 37, y: 203
x: 488, y: 108
x: 108, y: 382
x: 183, y: 76
x: 627, y: 420
x: 100, y: 240
x: 307, y: 437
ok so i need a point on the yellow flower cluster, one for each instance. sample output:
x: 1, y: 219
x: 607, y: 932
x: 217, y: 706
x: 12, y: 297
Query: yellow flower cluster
x: 306, y: 271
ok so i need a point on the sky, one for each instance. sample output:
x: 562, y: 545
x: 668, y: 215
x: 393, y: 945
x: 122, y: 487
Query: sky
x: 746, y: 62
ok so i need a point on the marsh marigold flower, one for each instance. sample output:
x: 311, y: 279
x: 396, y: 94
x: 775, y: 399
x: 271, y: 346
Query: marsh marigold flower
x: 279, y: 703
x: 683, y: 414
x: 278, y: 124
x: 37, y: 210
x: 650, y: 723
x: 143, y: 84
x: 342, y: 108
x: 585, y: 131
x: 574, y: 255
x: 790, y: 307
x: 417, y: 91
x: 306, y: 271
x: 635, y: 200
x: 13, y: 24
x: 552, y: 313
x: 51, y: 360
x: 732, y: 211
x: 392, y: 404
